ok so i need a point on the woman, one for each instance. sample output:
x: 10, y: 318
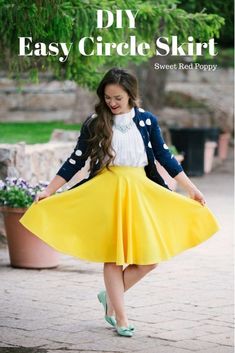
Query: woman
x: 123, y: 212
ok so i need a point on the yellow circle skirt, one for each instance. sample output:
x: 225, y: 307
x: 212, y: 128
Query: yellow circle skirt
x: 120, y: 216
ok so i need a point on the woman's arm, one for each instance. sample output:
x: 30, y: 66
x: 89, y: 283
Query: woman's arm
x: 70, y: 167
x: 77, y: 160
x: 56, y: 183
x: 169, y: 162
x: 189, y: 187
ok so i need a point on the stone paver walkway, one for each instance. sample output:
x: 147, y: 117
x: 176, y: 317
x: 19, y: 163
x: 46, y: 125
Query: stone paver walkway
x: 185, y: 305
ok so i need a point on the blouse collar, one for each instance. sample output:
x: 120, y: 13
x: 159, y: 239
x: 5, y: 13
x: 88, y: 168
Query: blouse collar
x: 123, y: 119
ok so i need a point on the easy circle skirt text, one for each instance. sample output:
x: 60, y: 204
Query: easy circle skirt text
x: 120, y: 216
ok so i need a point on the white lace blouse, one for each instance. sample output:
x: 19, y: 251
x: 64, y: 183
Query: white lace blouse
x: 127, y: 142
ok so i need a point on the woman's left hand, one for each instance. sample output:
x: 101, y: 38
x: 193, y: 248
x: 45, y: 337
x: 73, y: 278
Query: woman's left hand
x: 196, y: 195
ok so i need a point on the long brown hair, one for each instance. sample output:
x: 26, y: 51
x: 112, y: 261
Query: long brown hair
x: 100, y: 128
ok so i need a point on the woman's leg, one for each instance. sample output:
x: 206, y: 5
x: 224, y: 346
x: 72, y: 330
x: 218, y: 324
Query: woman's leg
x: 113, y: 278
x: 120, y: 281
x: 133, y: 274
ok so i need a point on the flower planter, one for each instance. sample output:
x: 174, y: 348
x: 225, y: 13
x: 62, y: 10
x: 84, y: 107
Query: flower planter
x: 25, y: 249
x: 209, y: 153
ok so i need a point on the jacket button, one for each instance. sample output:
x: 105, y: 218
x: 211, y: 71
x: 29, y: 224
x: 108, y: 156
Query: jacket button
x: 78, y: 153
x: 72, y: 161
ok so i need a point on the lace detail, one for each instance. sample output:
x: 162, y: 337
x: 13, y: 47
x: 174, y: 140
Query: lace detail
x: 124, y: 122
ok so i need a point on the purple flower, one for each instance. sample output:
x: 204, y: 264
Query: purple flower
x: 43, y: 183
x: 2, y: 185
x: 17, y: 192
x: 11, y: 181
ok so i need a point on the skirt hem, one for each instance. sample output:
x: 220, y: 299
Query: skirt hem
x: 121, y: 263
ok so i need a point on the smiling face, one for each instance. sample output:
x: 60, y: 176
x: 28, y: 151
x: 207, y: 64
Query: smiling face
x: 117, y: 99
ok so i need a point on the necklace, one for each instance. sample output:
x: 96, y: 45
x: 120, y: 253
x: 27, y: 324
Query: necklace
x: 124, y: 122
x: 123, y: 127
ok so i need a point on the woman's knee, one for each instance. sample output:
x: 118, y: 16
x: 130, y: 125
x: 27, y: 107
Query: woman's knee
x: 111, y: 265
x: 147, y: 268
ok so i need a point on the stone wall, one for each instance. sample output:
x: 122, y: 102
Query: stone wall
x: 54, y: 100
x: 222, y: 76
x: 35, y: 163
x: 214, y: 89
x: 46, y: 101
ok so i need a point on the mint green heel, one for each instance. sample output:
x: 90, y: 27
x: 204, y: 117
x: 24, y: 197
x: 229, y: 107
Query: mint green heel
x: 124, y: 331
x: 111, y: 319
x: 102, y: 299
x: 131, y: 327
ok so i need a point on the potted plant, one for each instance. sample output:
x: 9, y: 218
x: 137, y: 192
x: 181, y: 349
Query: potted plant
x: 25, y: 249
x: 171, y: 182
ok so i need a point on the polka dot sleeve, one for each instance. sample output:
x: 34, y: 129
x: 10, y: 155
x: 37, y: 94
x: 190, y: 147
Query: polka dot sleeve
x: 77, y: 159
x: 161, y: 150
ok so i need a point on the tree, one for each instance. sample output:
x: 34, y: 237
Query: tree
x: 223, y: 8
x: 68, y: 21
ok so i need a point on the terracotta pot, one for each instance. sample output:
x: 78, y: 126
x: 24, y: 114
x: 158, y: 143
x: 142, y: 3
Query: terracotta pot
x: 209, y: 153
x: 223, y: 145
x: 25, y: 249
x: 171, y: 182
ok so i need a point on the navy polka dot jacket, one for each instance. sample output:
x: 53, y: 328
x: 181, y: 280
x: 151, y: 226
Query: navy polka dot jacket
x: 155, y: 147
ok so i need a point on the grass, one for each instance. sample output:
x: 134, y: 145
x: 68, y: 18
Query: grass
x: 31, y: 132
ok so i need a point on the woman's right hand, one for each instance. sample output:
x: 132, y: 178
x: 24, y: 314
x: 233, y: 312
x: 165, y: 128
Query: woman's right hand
x: 56, y: 183
x: 41, y: 195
